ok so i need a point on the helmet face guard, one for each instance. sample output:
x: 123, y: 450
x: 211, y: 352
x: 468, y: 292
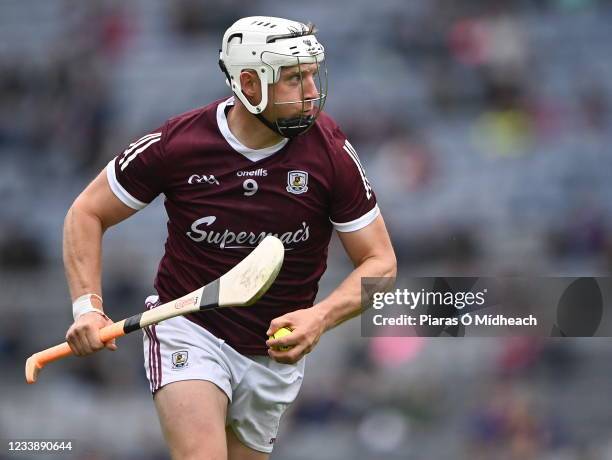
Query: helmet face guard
x: 309, y: 109
x: 266, y: 45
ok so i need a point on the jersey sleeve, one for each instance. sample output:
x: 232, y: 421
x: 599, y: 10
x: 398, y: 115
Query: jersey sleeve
x: 136, y: 175
x: 353, y: 205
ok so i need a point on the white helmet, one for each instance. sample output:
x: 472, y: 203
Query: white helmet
x: 265, y: 44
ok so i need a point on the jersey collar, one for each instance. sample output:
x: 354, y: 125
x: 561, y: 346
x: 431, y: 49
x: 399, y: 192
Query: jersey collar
x: 251, y: 154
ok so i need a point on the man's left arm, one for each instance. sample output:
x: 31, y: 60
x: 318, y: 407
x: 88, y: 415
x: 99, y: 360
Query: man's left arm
x: 372, y: 254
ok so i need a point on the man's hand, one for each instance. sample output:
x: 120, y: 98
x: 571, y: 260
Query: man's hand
x: 307, y: 326
x: 84, y: 336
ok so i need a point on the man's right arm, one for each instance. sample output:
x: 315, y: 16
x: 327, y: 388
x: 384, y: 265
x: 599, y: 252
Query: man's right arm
x: 95, y: 209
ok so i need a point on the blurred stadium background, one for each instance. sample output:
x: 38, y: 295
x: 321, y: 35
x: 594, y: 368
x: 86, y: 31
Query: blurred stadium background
x: 485, y: 127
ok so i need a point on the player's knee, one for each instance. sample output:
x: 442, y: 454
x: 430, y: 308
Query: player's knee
x: 206, y: 442
x: 198, y: 450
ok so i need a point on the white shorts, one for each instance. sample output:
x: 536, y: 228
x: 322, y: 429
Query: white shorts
x: 259, y: 389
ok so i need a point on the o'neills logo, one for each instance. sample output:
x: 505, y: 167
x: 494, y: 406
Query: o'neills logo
x: 232, y: 240
x: 188, y: 302
x: 257, y: 173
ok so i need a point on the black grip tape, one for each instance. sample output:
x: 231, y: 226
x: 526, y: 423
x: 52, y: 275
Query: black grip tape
x: 132, y: 323
x: 210, y: 296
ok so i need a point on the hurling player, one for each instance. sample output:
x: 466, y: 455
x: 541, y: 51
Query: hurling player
x: 266, y: 160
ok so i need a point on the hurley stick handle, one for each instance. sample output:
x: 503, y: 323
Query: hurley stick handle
x: 38, y: 360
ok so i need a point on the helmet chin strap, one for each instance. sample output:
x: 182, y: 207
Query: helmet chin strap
x: 288, y: 127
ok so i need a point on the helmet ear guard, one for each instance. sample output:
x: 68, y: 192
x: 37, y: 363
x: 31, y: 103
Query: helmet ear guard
x: 234, y: 83
x: 265, y: 45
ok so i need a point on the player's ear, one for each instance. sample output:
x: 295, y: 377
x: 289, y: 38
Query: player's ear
x: 251, y: 86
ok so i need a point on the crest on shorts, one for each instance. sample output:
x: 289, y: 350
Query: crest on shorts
x: 297, y: 182
x: 179, y: 359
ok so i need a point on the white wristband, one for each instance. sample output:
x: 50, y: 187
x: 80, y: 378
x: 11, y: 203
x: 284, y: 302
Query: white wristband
x: 83, y: 305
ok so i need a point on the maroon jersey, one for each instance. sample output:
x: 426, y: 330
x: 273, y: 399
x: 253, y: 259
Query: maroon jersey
x: 223, y: 198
